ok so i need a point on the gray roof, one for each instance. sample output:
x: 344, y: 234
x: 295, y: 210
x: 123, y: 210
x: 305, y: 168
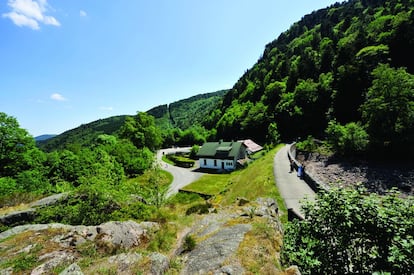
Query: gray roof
x: 220, y: 150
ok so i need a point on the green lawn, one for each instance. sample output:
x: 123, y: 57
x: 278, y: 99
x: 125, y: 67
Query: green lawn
x: 256, y: 180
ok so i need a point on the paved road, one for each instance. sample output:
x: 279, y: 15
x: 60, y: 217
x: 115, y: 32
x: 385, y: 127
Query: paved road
x: 182, y: 176
x: 291, y: 188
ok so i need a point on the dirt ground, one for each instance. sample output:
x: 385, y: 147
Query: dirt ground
x: 375, y: 176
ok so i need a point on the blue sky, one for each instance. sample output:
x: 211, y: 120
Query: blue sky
x: 66, y: 63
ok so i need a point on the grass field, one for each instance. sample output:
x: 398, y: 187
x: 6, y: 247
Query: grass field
x: 254, y: 181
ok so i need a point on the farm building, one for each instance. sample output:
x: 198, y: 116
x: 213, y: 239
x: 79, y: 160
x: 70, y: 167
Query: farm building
x: 221, y: 155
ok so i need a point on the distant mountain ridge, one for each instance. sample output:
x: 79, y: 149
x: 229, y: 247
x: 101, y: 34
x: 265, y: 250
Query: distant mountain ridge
x: 44, y: 137
x: 182, y: 114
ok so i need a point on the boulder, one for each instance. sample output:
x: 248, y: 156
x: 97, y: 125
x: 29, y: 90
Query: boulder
x: 125, y: 261
x: 51, y: 200
x: 18, y: 217
x: 73, y: 269
x: 125, y: 234
x: 159, y: 263
x: 53, y: 260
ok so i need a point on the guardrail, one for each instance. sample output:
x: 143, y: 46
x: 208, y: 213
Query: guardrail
x: 313, y: 183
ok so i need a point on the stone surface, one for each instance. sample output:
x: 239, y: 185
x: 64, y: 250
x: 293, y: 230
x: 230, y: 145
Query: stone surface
x: 29, y: 214
x: 49, y: 200
x: 125, y: 261
x: 125, y: 234
x: 210, y: 254
x: 32, y: 227
x: 159, y: 263
x: 18, y: 217
x: 120, y: 234
x: 73, y: 269
x: 53, y: 260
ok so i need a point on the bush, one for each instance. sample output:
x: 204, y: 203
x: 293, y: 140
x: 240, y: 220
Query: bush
x: 347, y: 140
x: 198, y: 209
x: 308, y: 145
x: 87, y: 206
x: 348, y: 232
x: 181, y: 161
x: 189, y: 243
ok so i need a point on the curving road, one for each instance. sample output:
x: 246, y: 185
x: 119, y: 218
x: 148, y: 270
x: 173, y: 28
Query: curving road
x: 291, y: 188
x: 181, y: 176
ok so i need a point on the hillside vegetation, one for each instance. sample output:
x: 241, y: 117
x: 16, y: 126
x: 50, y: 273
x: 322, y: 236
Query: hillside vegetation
x: 349, y: 63
x: 343, y: 74
x: 174, y: 119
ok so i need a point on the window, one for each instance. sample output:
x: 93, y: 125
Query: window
x: 205, y: 162
x: 215, y: 162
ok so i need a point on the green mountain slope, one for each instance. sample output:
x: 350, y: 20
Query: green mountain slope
x: 83, y: 135
x: 182, y: 114
x: 321, y: 70
x: 188, y: 112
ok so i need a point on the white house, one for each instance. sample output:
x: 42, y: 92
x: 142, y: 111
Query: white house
x: 221, y: 155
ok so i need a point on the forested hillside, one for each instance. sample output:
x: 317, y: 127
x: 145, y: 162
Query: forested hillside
x: 174, y: 119
x: 83, y: 135
x: 186, y: 113
x: 349, y: 63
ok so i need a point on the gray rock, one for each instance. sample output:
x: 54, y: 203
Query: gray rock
x: 29, y: 214
x: 230, y: 270
x: 120, y: 234
x: 159, y: 263
x: 18, y: 217
x: 56, y: 258
x: 125, y: 234
x: 210, y: 254
x: 49, y: 200
x: 32, y: 227
x: 125, y: 261
x: 7, y: 271
x: 73, y: 269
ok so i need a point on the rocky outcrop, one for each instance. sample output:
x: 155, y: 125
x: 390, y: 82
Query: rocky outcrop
x: 221, y: 242
x: 51, y: 200
x: 118, y: 234
x: 53, y: 260
x: 18, y: 217
x: 28, y: 215
x: 159, y: 263
x: 221, y: 235
x: 73, y: 269
x: 209, y: 255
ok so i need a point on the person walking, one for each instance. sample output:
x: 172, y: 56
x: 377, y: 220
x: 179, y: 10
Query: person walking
x: 300, y: 170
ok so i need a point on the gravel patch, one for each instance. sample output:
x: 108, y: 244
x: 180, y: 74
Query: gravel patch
x: 376, y: 176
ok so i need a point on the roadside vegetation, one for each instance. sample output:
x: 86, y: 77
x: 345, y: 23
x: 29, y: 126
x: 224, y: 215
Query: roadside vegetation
x: 256, y: 180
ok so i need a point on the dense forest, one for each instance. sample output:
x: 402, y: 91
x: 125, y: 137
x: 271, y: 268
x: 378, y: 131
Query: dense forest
x: 348, y: 67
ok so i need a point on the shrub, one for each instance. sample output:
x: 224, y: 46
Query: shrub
x: 198, y: 209
x: 348, y: 232
x: 347, y: 139
x: 189, y: 243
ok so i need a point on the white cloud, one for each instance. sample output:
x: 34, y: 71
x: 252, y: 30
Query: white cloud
x: 58, y: 97
x: 82, y: 13
x: 30, y: 13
